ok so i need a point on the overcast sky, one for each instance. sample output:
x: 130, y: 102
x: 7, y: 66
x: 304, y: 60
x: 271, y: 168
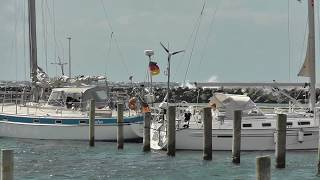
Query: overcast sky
x: 237, y: 40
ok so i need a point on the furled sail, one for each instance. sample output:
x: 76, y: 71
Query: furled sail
x: 305, y: 70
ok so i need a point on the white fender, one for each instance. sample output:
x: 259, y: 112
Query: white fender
x: 300, y: 135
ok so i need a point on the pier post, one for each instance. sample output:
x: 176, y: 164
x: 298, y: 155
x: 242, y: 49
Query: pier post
x: 207, y: 141
x: 92, y: 121
x: 7, y: 164
x: 318, y: 163
x: 120, y: 108
x: 263, y: 168
x: 236, y: 138
x: 171, y: 128
x: 281, y: 141
x: 146, y: 132
x: 16, y: 106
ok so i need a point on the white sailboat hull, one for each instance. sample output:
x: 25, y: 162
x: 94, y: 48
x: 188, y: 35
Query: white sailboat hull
x: 64, y: 132
x: 251, y: 139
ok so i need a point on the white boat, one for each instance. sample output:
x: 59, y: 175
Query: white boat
x: 257, y: 133
x: 258, y: 129
x: 65, y: 114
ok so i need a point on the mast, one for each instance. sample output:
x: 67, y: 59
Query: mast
x: 312, y: 63
x: 33, y: 49
x: 32, y: 40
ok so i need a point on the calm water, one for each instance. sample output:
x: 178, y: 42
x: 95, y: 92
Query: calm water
x: 42, y: 159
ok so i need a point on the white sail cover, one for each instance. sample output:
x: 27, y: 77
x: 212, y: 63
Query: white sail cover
x: 305, y: 70
x: 232, y: 101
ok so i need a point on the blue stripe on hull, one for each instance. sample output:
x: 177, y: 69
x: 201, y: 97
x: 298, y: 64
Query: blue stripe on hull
x: 67, y: 121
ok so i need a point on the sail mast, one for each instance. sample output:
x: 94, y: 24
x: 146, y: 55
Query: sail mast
x: 32, y: 40
x: 311, y: 41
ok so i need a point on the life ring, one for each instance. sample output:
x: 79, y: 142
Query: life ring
x: 133, y: 103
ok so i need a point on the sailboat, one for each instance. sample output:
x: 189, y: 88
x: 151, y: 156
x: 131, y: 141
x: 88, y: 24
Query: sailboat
x: 65, y: 114
x: 258, y: 129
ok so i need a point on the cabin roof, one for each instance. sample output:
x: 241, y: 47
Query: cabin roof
x: 73, y: 89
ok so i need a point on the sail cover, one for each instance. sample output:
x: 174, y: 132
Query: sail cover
x: 232, y: 101
x: 305, y: 70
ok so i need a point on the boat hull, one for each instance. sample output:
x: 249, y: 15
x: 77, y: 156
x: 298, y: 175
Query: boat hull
x: 251, y: 139
x: 68, y: 128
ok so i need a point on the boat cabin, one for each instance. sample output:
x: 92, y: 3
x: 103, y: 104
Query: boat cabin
x: 78, y: 97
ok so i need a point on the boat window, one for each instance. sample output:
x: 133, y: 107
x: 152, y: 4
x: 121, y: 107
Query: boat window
x: 304, y: 123
x: 246, y: 125
x: 57, y: 98
x: 307, y: 134
x: 36, y: 121
x: 289, y: 123
x: 266, y: 124
x: 58, y: 122
x: 101, y: 95
x: 82, y: 122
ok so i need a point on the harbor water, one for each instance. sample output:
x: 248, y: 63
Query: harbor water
x: 50, y: 159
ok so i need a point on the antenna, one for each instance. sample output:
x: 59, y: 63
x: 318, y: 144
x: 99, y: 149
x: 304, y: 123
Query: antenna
x: 169, y: 58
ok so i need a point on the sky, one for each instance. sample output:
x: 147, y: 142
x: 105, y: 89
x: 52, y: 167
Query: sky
x: 232, y: 41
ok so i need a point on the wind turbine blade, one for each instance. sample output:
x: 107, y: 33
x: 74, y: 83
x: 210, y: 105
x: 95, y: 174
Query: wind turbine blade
x: 177, y: 52
x: 164, y: 48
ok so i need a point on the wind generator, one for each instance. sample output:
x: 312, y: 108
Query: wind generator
x: 169, y: 58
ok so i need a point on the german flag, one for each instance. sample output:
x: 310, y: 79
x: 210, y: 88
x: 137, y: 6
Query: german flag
x: 154, y: 68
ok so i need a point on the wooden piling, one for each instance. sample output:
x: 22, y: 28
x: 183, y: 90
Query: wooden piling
x: 263, y: 168
x: 120, y: 108
x: 16, y: 106
x: 318, y: 163
x: 146, y: 132
x: 236, y: 138
x: 171, y: 129
x: 92, y: 122
x: 7, y: 164
x: 207, y: 141
x: 280, y: 151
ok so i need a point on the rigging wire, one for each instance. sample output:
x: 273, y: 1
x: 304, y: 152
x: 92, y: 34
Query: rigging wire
x: 115, y: 39
x: 318, y: 21
x: 194, y: 40
x: 54, y: 36
x: 24, y: 41
x: 14, y: 49
x: 289, y: 39
x: 209, y: 34
x: 44, y: 29
x: 109, y: 51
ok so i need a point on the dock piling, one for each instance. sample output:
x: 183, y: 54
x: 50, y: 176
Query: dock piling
x: 92, y: 122
x: 146, y: 132
x: 280, y: 151
x: 120, y: 108
x: 207, y: 141
x: 236, y: 138
x: 318, y: 163
x: 263, y: 168
x: 171, y: 128
x: 7, y: 164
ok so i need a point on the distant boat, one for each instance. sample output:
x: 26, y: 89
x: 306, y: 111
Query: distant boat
x: 65, y: 114
x: 258, y: 129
